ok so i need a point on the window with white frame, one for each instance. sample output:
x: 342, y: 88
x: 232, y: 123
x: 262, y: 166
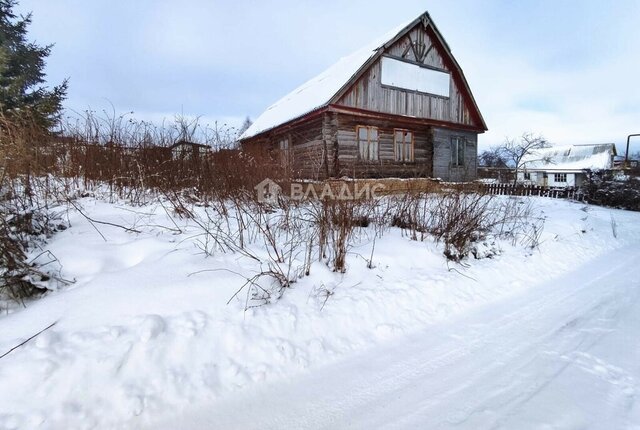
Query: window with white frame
x: 527, y: 176
x: 457, y: 151
x: 559, y: 177
x: 403, y: 141
x: 368, y: 141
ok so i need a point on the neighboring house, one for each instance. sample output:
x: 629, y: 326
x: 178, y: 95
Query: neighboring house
x: 620, y: 163
x: 184, y: 150
x: 564, y: 166
x: 399, y: 107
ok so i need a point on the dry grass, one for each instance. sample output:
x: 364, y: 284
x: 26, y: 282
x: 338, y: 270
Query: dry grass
x: 216, y: 191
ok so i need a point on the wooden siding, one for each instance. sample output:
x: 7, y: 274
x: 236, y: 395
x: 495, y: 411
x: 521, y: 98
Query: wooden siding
x: 323, y: 142
x: 307, y: 147
x: 349, y: 163
x: 442, y: 166
x: 417, y: 46
x: 326, y: 146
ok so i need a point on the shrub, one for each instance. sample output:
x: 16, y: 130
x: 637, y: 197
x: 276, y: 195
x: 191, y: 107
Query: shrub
x: 604, y: 189
x: 466, y: 223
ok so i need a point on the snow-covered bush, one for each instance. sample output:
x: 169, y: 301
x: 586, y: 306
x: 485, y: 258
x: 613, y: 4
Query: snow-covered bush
x: 20, y: 232
x: 335, y: 224
x: 466, y: 223
x: 215, y: 191
x: 602, y: 188
x: 31, y: 212
x: 26, y: 217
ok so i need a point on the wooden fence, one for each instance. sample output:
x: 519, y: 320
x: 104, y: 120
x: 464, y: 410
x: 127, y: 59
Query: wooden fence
x: 402, y: 186
x: 572, y: 193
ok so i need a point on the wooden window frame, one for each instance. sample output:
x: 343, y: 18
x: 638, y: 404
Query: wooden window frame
x: 286, y: 153
x: 458, y: 141
x: 560, y: 175
x: 377, y: 141
x: 404, y: 142
x: 527, y: 176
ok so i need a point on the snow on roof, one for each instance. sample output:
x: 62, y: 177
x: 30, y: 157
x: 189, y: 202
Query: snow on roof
x: 572, y: 157
x: 317, y: 92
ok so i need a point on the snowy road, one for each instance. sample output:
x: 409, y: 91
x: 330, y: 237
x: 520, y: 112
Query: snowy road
x: 563, y: 355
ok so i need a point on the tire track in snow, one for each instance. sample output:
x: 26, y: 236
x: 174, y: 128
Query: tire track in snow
x: 479, y: 371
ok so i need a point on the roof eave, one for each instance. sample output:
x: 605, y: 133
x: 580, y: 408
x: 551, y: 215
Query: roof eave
x: 288, y: 123
x: 409, y: 119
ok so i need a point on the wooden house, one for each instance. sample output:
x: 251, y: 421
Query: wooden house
x: 399, y: 107
x: 185, y: 150
x: 565, y: 166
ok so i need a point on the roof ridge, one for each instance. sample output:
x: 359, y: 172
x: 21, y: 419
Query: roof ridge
x: 311, y: 96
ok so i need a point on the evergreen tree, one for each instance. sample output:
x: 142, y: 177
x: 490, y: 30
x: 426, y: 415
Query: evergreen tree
x: 22, y: 90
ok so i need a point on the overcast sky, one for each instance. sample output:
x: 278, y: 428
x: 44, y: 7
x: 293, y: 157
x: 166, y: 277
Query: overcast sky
x: 566, y: 69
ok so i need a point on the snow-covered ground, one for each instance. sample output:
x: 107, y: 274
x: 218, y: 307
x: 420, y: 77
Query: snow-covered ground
x: 563, y: 355
x: 145, y: 336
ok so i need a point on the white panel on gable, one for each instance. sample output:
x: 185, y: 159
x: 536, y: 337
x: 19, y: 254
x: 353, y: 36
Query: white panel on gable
x: 401, y: 74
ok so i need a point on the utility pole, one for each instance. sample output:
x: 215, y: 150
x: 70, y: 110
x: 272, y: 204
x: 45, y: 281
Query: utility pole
x: 626, y: 154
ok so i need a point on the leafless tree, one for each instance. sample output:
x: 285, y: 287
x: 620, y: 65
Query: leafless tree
x: 220, y: 136
x: 187, y: 127
x: 491, y: 157
x: 515, y: 151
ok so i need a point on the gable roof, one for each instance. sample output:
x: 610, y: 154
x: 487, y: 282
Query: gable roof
x: 183, y: 142
x: 329, y: 85
x: 572, y: 157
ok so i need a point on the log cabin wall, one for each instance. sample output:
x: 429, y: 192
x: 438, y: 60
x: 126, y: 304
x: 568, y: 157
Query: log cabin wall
x: 308, y: 154
x: 323, y: 143
x: 348, y: 163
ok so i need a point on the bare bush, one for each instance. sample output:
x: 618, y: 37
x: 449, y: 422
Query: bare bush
x: 215, y: 191
x: 26, y: 218
x: 462, y: 220
x: 606, y: 189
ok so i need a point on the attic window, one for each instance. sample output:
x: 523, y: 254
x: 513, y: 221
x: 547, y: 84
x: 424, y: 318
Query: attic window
x: 408, y: 76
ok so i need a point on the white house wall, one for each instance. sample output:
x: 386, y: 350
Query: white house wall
x: 571, y: 180
x: 537, y: 178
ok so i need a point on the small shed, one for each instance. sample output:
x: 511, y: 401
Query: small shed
x: 185, y: 150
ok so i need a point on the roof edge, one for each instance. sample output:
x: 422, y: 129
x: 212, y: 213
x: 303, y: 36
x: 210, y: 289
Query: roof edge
x: 427, y: 21
x: 288, y: 123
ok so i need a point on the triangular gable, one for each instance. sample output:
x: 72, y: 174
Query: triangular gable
x: 331, y: 84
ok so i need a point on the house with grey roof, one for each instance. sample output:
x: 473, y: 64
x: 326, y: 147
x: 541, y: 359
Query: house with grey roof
x: 565, y: 166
